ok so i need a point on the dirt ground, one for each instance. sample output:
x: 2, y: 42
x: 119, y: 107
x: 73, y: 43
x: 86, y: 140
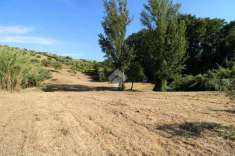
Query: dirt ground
x: 73, y: 118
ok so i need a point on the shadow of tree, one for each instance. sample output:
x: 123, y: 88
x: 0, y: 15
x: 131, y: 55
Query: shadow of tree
x: 195, y: 129
x: 75, y: 88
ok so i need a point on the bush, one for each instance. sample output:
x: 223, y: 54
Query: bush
x: 100, y: 73
x: 102, y: 70
x: 56, y: 65
x: 83, y: 66
x: 216, y: 80
x: 12, y: 67
x: 45, y: 62
x: 38, y: 56
x: 17, y: 71
x: 34, y: 78
x: 34, y: 61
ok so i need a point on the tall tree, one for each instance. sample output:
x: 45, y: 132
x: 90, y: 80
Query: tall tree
x: 168, y: 43
x: 203, y: 36
x: 140, y: 43
x: 226, y: 46
x: 113, y: 41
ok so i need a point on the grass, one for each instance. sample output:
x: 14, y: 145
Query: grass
x: 18, y: 71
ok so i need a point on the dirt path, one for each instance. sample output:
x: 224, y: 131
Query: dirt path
x: 81, y: 82
x: 107, y: 123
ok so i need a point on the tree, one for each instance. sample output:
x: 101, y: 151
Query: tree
x: 113, y: 41
x: 135, y: 73
x: 140, y: 44
x: 203, y: 37
x: 226, y: 47
x: 167, y: 39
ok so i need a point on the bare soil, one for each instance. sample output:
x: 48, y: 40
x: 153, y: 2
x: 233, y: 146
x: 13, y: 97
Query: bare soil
x: 70, y: 120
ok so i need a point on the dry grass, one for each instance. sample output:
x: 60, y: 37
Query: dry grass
x: 114, y: 123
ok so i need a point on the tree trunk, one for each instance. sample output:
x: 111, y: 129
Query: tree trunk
x: 132, y: 85
x: 121, y: 86
x: 122, y: 83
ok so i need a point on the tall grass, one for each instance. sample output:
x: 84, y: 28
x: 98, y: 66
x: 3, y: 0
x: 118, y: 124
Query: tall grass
x: 16, y: 71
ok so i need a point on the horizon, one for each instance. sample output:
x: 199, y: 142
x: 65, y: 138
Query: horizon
x: 62, y: 29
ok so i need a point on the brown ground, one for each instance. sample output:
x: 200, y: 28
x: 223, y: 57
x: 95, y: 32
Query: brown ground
x: 66, y: 121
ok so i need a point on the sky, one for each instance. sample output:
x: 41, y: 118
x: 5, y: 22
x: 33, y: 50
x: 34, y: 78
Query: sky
x: 71, y: 27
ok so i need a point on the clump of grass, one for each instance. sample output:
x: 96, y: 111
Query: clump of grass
x: 35, y: 77
x: 45, y: 62
x: 12, y: 69
x: 56, y: 65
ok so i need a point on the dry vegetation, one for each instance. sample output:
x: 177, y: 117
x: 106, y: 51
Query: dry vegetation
x: 72, y: 119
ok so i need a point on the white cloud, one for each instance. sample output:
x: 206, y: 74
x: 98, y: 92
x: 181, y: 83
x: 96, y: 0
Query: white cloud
x: 26, y: 39
x: 15, y: 29
x: 21, y: 34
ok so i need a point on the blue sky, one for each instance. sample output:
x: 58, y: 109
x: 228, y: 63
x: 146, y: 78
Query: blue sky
x: 71, y: 27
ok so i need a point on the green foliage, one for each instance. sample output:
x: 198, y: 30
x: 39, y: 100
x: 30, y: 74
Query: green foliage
x: 226, y: 45
x: 113, y: 41
x: 34, y: 78
x: 83, y: 66
x: 35, y: 61
x: 203, y: 37
x: 166, y: 40
x: 38, y: 56
x: 56, y: 65
x: 135, y: 73
x: 11, y: 69
x: 45, y: 62
x: 17, y: 71
x: 143, y: 56
x: 216, y: 80
x: 103, y: 70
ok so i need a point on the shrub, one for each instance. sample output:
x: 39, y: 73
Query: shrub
x: 135, y: 73
x: 56, y: 65
x: 38, y: 56
x: 12, y: 69
x: 83, y: 66
x: 45, y: 62
x: 101, y: 71
x: 216, y: 80
x: 17, y: 71
x: 34, y: 61
x: 35, y: 77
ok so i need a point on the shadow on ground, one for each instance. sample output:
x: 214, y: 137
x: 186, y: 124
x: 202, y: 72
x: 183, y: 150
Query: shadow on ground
x: 195, y: 130
x: 75, y: 88
x: 225, y: 110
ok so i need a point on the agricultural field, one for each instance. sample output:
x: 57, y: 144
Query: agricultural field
x: 73, y: 115
x: 117, y: 78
